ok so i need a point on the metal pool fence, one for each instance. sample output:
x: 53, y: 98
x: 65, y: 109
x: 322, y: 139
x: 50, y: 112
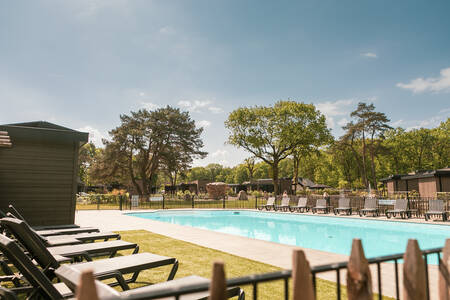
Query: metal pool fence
x: 169, y: 201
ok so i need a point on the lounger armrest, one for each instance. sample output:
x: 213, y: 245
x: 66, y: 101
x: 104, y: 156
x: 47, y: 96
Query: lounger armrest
x: 114, y: 274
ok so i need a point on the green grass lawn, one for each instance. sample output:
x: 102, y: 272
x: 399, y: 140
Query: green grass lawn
x: 198, y: 260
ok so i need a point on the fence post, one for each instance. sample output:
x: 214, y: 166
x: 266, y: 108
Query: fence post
x: 192, y: 200
x: 414, y: 280
x: 444, y: 269
x: 218, y: 284
x: 359, y: 281
x: 98, y: 202
x: 302, y: 287
x: 120, y: 201
x: 163, y: 201
x: 256, y: 202
x: 223, y: 202
x: 87, y: 288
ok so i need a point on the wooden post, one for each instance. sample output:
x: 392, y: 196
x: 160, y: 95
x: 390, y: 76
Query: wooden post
x: 86, y: 289
x: 359, y: 280
x: 444, y: 270
x: 217, y: 289
x: 301, y: 277
x: 414, y: 280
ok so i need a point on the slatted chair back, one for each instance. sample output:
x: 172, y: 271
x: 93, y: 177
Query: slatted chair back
x: 436, y: 205
x: 321, y: 203
x: 285, y: 201
x: 31, y: 241
x: 401, y: 204
x: 302, y: 202
x: 370, y: 203
x: 344, y: 203
x: 270, y: 201
x: 26, y: 267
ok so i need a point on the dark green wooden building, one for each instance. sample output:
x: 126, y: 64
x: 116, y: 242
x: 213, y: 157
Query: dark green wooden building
x: 39, y: 171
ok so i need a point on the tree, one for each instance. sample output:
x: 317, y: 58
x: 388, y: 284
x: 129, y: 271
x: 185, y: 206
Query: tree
x: 250, y: 165
x: 368, y: 128
x: 86, y: 157
x: 270, y: 133
x: 147, y: 139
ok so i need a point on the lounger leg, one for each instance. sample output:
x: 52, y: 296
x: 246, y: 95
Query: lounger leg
x: 173, y: 271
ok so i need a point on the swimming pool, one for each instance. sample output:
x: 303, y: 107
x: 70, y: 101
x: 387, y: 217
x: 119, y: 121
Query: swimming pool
x: 324, y: 233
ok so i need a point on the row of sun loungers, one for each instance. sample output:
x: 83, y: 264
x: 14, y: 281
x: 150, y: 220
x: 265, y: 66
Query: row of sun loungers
x: 436, y: 208
x: 40, y: 264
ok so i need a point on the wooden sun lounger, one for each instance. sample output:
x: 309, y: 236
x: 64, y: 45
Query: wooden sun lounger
x: 400, y: 209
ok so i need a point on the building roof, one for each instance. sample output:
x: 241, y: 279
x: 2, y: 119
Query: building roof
x: 5, y: 141
x: 42, y: 130
x: 418, y: 174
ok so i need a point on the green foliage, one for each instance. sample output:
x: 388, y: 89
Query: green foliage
x: 271, y: 133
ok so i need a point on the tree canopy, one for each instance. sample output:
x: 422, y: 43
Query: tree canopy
x: 271, y: 133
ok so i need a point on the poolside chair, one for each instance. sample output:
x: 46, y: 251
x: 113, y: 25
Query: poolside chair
x: 284, y: 206
x: 400, y: 209
x: 436, y: 209
x: 269, y: 204
x: 370, y: 206
x: 70, y: 239
x: 344, y: 206
x: 321, y: 205
x: 24, y: 234
x: 114, y: 267
x: 301, y: 205
x: 40, y: 284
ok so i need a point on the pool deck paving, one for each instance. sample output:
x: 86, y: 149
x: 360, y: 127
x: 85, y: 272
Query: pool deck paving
x: 271, y: 253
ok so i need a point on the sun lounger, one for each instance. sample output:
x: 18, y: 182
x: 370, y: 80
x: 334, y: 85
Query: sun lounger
x: 370, y: 206
x: 25, y: 235
x: 269, y: 204
x: 105, y: 268
x: 301, y: 205
x: 400, y: 209
x: 436, y: 209
x: 42, y: 286
x: 284, y: 206
x: 344, y: 206
x: 321, y: 205
x: 70, y: 239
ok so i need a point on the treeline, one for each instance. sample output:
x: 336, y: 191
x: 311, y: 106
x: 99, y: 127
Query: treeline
x: 288, y: 139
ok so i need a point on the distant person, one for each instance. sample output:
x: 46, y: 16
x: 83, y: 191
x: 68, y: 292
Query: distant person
x: 327, y: 198
x: 285, y: 194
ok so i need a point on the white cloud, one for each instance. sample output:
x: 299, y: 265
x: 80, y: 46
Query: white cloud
x: 397, y: 123
x: 369, y: 55
x: 342, y: 122
x: 95, y: 136
x: 215, y: 109
x: 199, y: 106
x: 166, y: 30
x: 204, y: 123
x: 436, y: 84
x: 149, y: 105
x: 219, y: 152
x: 333, y: 109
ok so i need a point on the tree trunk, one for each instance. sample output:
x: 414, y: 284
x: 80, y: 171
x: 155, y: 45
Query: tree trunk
x: 133, y: 180
x: 366, y: 183
x: 275, y: 177
x: 372, y: 164
x: 296, y: 160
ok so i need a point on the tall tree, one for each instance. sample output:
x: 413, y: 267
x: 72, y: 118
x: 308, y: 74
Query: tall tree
x: 147, y: 138
x: 250, y: 165
x: 368, y: 129
x: 270, y: 133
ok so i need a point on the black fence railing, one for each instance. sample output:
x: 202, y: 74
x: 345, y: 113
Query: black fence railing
x: 285, y: 275
x: 169, y: 201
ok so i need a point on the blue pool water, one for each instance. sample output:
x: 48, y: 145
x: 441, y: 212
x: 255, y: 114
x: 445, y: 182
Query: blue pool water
x: 316, y: 232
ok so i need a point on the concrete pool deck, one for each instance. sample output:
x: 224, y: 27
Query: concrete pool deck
x: 263, y: 251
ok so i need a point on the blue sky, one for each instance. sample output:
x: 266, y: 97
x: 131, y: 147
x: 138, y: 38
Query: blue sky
x: 83, y: 63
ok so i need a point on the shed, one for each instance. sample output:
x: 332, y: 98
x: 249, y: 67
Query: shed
x: 39, y: 172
